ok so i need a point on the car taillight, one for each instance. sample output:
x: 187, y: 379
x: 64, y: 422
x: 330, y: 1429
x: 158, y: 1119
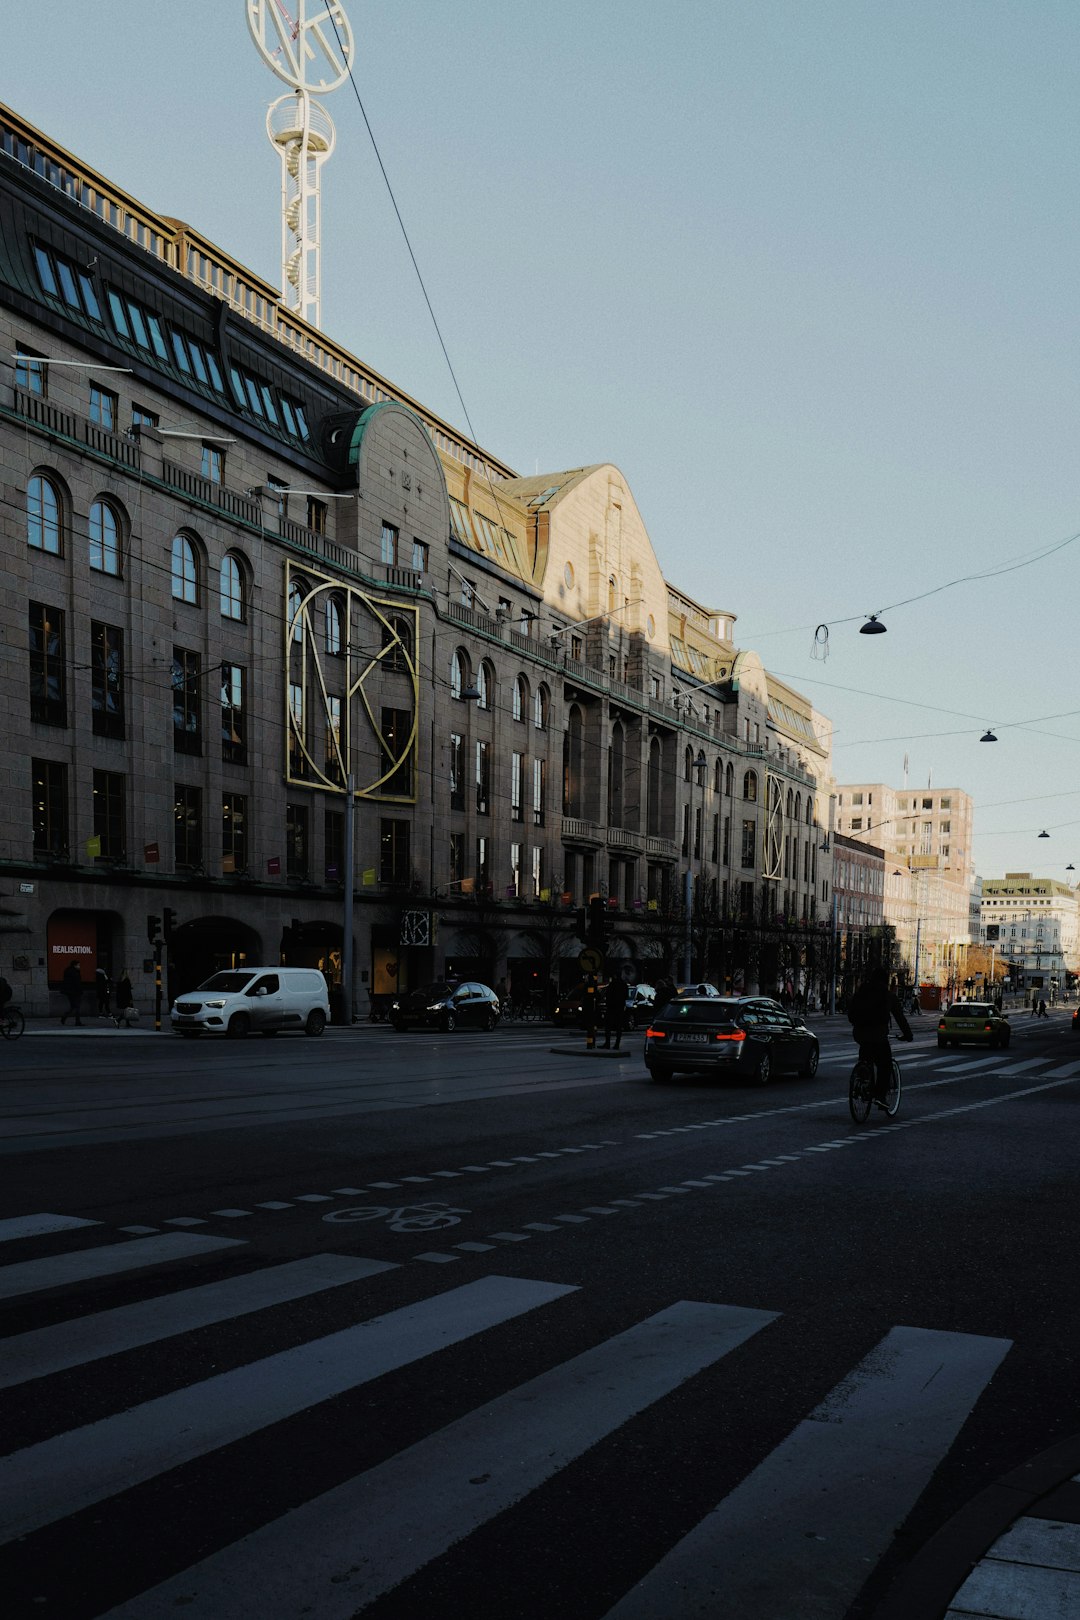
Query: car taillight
x: 987, y: 1028
x: 941, y: 1026
x: 736, y: 1035
x: 656, y: 1034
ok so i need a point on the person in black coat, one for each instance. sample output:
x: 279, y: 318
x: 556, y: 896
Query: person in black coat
x: 614, y: 1011
x: 72, y: 986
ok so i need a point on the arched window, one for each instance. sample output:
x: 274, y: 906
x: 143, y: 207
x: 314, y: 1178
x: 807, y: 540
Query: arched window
x: 729, y: 781
x: 809, y: 811
x: 749, y: 785
x: 540, y: 708
x: 459, y: 672
x: 485, y: 684
x: 790, y: 803
x: 231, y: 588
x: 185, y: 569
x: 521, y: 698
x: 44, y: 530
x: 332, y: 637
x: 656, y: 761
x: 573, y: 757
x: 688, y: 764
x: 616, y: 772
x: 718, y: 777
x: 104, y: 538
x: 798, y: 807
x: 296, y: 613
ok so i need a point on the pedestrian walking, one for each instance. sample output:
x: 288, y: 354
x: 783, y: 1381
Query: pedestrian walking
x: 665, y: 992
x: 126, y: 1012
x: 103, y: 985
x: 614, y: 1011
x: 1042, y: 1009
x: 72, y: 986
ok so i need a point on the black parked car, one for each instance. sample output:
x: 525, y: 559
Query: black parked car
x: 746, y: 1037
x: 446, y: 1005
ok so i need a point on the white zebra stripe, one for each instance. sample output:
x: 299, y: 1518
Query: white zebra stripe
x: 343, y: 1549
x: 816, y: 1516
x: 62, y: 1270
x: 128, y: 1327
x: 47, y: 1482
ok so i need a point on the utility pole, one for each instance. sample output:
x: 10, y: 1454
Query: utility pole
x: 347, y: 920
x: 688, y: 901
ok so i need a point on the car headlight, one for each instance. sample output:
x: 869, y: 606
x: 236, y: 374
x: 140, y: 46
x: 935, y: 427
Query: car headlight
x: 437, y: 1006
x: 214, y: 1003
x: 395, y: 1006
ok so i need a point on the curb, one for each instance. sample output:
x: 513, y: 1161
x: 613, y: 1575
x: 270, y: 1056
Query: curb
x: 934, y: 1575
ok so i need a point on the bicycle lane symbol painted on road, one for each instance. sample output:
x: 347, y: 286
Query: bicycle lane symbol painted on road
x: 403, y: 1218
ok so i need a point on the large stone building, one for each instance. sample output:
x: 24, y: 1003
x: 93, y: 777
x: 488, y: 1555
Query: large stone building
x: 244, y: 570
x: 926, y: 836
x: 1032, y: 925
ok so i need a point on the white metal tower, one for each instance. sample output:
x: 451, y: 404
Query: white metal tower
x: 311, y: 53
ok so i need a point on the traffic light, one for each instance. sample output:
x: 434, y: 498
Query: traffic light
x: 168, y: 921
x: 596, y: 928
x: 153, y: 928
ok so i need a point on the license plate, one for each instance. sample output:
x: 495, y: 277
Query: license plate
x: 702, y: 1038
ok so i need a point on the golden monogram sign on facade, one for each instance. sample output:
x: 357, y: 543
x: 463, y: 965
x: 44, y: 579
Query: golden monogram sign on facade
x: 352, y: 687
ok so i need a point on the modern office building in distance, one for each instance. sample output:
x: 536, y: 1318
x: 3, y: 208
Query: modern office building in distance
x: 1033, y: 925
x: 244, y: 570
x: 926, y: 836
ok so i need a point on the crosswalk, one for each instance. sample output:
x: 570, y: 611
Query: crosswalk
x: 811, y: 1517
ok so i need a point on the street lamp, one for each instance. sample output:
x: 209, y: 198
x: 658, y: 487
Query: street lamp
x: 701, y: 766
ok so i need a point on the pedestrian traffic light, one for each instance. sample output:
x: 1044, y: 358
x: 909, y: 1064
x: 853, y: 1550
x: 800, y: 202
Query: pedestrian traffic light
x: 168, y: 921
x: 153, y: 928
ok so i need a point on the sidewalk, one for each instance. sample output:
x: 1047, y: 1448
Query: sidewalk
x: 1012, y: 1553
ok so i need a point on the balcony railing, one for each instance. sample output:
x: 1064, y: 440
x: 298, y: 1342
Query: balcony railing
x: 623, y: 838
x: 576, y: 831
x: 660, y: 849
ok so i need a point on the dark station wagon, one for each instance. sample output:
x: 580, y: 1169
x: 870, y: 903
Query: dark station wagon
x: 744, y: 1037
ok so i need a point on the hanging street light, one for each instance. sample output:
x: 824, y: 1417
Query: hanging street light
x: 872, y: 627
x: 1044, y: 834
x: 988, y: 736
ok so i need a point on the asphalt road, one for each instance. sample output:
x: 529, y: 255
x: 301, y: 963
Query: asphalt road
x: 423, y: 1326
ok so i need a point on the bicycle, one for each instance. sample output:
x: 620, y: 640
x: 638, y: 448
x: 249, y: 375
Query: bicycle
x: 12, y: 1023
x: 861, y: 1090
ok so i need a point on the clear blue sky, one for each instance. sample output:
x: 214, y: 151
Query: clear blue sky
x: 805, y: 272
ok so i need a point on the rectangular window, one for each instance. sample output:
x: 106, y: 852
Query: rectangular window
x: 297, y: 758
x: 109, y: 818
x: 537, y: 871
x: 30, y: 374
x: 233, y: 714
x: 577, y: 648
x: 746, y: 901
x: 233, y: 833
x: 483, y: 777
x: 726, y: 857
x: 50, y: 807
x: 457, y: 859
x: 685, y: 841
x: 856, y: 824
x: 334, y: 846
x: 187, y: 730
x: 107, y: 680
x: 316, y: 514
x: 457, y: 772
x: 419, y: 556
x: 539, y: 791
x: 296, y: 840
x: 388, y: 545
x: 279, y: 485
x: 715, y: 839
x: 141, y: 417
x: 396, y: 732
x: 187, y: 826
x: 748, y: 844
x: 103, y: 407
x: 516, y: 773
x: 212, y: 464
x: 483, y: 876
x: 333, y: 737
x: 394, y: 861
x: 697, y: 833
x: 48, y: 678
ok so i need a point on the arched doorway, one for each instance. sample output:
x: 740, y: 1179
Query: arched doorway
x: 205, y: 946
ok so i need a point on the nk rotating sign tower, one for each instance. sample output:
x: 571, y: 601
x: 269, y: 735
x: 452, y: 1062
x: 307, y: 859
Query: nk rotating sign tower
x: 312, y: 51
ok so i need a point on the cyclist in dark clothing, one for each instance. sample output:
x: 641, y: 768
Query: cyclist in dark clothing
x: 870, y: 1009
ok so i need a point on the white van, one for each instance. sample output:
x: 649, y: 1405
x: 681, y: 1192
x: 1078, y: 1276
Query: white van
x: 268, y: 999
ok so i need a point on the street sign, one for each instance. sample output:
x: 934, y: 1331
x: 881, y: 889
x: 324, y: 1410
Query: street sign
x: 591, y: 961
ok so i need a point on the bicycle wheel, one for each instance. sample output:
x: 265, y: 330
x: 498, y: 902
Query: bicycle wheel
x: 860, y: 1092
x: 13, y: 1024
x: 892, y: 1096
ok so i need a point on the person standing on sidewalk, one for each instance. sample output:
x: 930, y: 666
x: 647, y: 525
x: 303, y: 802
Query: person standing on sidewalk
x: 72, y: 986
x: 103, y: 984
x: 614, y: 1010
x: 125, y: 1001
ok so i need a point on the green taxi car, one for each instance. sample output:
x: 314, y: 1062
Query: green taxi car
x: 976, y: 1021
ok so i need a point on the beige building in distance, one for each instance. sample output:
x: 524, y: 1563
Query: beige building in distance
x: 926, y: 834
x: 1034, y: 925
